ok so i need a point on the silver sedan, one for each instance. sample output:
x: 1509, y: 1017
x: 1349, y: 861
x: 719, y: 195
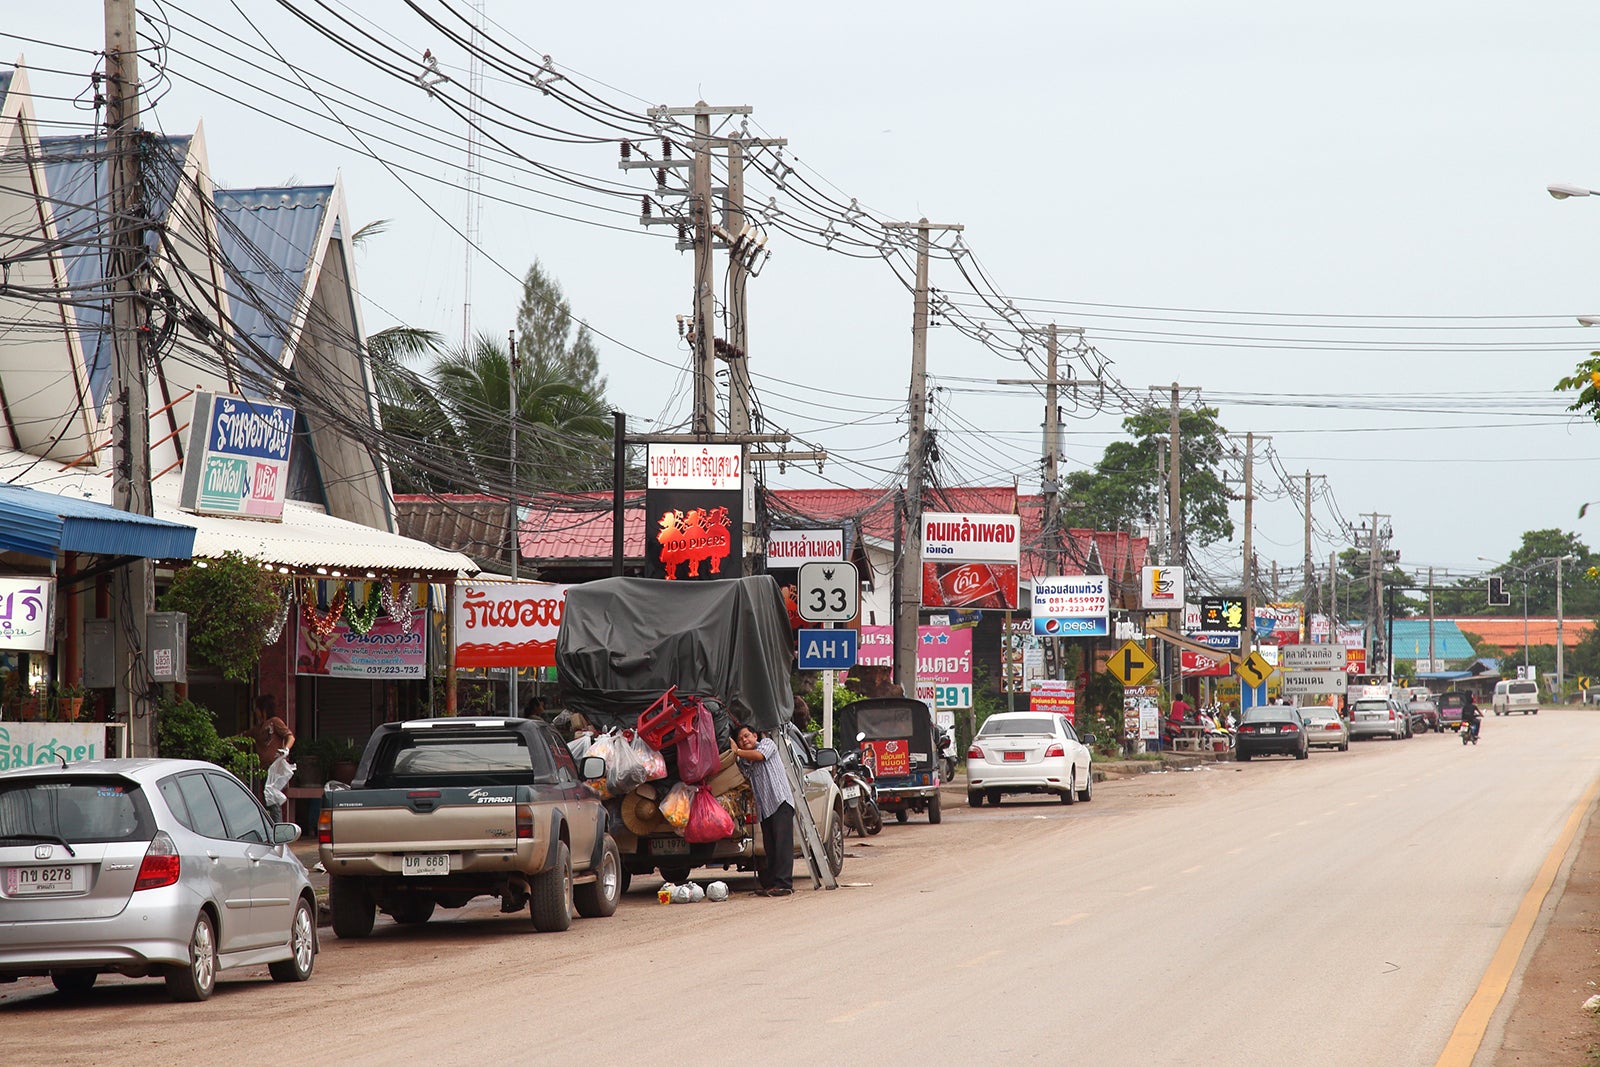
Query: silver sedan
x: 147, y: 867
x: 1324, y: 726
x: 1377, y: 717
x: 1029, y: 752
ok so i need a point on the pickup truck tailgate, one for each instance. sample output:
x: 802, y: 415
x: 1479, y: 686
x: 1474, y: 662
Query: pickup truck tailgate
x: 471, y: 824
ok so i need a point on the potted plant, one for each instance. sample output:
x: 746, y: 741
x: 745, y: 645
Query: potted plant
x: 68, y: 700
x: 336, y: 756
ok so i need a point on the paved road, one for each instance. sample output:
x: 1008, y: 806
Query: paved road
x: 1340, y: 910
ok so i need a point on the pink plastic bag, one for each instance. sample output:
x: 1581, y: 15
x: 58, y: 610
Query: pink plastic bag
x: 708, y: 820
x: 698, y: 758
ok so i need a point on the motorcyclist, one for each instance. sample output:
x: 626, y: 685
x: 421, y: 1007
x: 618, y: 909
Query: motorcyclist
x: 1471, y: 717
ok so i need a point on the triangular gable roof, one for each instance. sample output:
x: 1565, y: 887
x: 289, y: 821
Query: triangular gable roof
x: 270, y: 238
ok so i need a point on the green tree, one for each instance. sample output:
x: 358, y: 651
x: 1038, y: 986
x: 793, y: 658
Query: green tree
x: 1533, y: 560
x: 413, y: 411
x: 1123, y: 491
x: 1353, y: 586
x: 229, y: 601
x: 546, y: 340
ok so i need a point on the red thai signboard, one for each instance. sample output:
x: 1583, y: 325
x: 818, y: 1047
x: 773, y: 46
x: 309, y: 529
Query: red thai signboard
x: 890, y: 758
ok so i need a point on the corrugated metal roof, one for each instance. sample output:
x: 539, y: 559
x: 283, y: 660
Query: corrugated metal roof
x: 75, y: 174
x: 5, y: 85
x: 268, y: 236
x: 307, y: 537
x: 471, y: 523
x: 1411, y: 640
x: 46, y: 524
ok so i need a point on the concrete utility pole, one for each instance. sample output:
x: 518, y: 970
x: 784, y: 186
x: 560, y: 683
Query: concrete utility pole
x: 1333, y: 594
x: 906, y: 609
x: 1174, y: 484
x: 1376, y: 538
x: 516, y: 533
x: 1247, y: 640
x: 133, y: 586
x: 705, y: 305
x: 1309, y: 586
x: 1050, y: 453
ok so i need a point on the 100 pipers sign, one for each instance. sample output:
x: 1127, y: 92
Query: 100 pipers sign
x: 694, y: 508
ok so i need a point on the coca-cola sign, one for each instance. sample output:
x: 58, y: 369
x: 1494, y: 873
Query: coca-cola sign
x: 970, y: 585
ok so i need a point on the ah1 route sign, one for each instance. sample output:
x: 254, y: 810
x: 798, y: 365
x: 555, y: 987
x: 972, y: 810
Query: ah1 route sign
x: 827, y: 650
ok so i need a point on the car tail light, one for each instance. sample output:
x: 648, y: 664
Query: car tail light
x: 1054, y: 750
x: 1291, y: 727
x: 325, y: 827
x: 1247, y: 728
x: 161, y: 864
x: 1331, y: 726
x: 974, y: 752
x: 749, y: 818
x: 524, y: 822
x: 1391, y: 715
x: 423, y: 794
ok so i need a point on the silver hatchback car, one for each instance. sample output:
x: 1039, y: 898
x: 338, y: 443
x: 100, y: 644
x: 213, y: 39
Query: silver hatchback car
x: 147, y: 867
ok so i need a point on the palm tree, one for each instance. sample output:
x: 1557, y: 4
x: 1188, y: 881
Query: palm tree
x: 424, y: 441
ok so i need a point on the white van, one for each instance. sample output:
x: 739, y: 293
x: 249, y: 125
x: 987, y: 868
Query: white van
x: 1515, y: 695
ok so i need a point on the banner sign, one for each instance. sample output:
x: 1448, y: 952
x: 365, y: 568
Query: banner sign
x: 1141, y: 716
x: 890, y: 758
x: 1352, y: 637
x: 1221, y: 640
x: 238, y: 457
x: 1072, y: 607
x: 694, y: 534
x: 1161, y: 587
x: 35, y: 744
x: 1355, y: 661
x: 1221, y: 613
x: 1022, y: 659
x: 1278, y: 623
x: 28, y: 614
x: 388, y: 650
x: 1307, y: 683
x: 950, y: 536
x: 1321, y: 629
x: 1197, y: 665
x: 508, y: 624
x: 791, y: 548
x: 1055, y: 697
x: 1313, y: 658
x: 716, y: 467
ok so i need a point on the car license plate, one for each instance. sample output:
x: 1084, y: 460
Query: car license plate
x: 1269, y: 729
x: 850, y: 792
x: 668, y: 846
x: 1016, y: 757
x: 425, y: 863
x: 44, y: 881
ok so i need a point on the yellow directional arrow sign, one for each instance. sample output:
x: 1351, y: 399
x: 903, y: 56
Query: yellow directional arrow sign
x: 1131, y: 664
x: 1253, y: 670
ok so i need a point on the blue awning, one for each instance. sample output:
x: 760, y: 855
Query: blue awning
x: 44, y: 524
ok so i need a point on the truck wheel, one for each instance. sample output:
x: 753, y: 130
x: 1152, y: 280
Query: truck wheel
x: 901, y: 815
x: 676, y: 873
x: 627, y: 880
x: 353, y: 910
x: 835, y: 843
x: 598, y: 899
x: 411, y: 910
x: 934, y: 811
x: 550, y: 901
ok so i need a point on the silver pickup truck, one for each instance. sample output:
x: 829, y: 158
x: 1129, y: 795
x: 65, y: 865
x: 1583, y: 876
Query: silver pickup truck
x: 445, y: 810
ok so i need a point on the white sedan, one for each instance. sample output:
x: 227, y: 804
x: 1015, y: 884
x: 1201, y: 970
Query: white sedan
x: 1029, y: 752
x: 1324, y: 726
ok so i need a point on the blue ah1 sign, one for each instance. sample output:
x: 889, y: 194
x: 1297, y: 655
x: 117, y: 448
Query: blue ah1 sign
x: 827, y: 650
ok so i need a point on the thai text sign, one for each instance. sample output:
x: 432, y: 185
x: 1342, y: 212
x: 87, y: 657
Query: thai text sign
x: 876, y: 648
x: 33, y: 744
x: 1194, y: 664
x: 792, y: 548
x: 27, y: 613
x: 1313, y: 658
x: 695, y: 466
x: 944, y: 655
x: 387, y: 650
x: 238, y: 458
x: 887, y: 759
x: 1160, y: 587
x: 1308, y: 683
x: 507, y: 624
x: 1071, y: 607
x: 1056, y: 697
x: 1279, y: 623
x: 949, y: 536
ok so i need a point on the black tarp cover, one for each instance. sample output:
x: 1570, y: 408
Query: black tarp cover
x: 624, y: 641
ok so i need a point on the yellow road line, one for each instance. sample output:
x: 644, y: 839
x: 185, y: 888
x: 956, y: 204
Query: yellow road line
x: 1474, y: 1021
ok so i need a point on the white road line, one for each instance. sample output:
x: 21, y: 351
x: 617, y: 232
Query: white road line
x: 1070, y: 919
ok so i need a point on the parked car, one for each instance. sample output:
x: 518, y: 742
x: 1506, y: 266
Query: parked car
x: 146, y: 868
x: 1378, y: 717
x: 1325, y: 726
x: 1423, y: 713
x: 1271, y: 730
x: 1029, y: 752
x: 1514, y: 694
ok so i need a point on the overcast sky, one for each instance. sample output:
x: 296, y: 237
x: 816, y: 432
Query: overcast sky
x: 1331, y: 222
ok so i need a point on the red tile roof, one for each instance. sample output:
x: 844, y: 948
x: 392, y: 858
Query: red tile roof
x: 1506, y: 633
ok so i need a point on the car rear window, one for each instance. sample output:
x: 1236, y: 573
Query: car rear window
x: 879, y: 723
x: 1523, y: 688
x: 76, y: 810
x: 1017, y: 727
x: 1372, y: 705
x: 439, y: 757
x: 1269, y: 713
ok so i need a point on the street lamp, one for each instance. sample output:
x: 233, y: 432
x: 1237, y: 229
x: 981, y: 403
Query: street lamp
x: 1562, y: 190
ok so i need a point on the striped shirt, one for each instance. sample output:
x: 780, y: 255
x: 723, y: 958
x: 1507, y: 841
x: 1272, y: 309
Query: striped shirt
x: 769, y: 779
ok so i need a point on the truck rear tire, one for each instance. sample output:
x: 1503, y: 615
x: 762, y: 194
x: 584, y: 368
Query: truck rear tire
x: 550, y: 901
x: 353, y: 911
x: 598, y: 899
x: 411, y: 910
x: 935, y: 813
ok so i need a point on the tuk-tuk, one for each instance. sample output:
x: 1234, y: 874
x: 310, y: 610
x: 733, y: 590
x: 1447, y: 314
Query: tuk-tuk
x: 897, y: 745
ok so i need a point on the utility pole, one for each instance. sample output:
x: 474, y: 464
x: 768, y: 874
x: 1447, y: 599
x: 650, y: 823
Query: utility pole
x: 705, y: 306
x: 1249, y: 632
x: 1376, y: 537
x: 1050, y: 453
x: 1309, y: 586
x: 516, y: 532
x: 1333, y: 595
x: 906, y: 611
x: 1561, y: 646
x: 1431, y: 665
x: 1174, y: 480
x: 133, y: 587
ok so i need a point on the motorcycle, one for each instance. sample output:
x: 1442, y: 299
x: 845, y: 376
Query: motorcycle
x: 860, y: 796
x: 947, y: 755
x: 1469, y: 731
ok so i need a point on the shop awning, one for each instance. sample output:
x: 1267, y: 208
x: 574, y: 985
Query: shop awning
x: 45, y: 524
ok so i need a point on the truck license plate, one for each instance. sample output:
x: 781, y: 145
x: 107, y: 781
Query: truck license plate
x: 668, y: 846
x: 425, y: 863
x: 44, y: 881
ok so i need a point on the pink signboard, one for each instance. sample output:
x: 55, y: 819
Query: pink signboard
x: 388, y: 650
x: 944, y: 654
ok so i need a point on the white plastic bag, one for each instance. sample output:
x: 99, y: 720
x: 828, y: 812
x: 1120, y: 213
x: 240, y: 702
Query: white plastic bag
x: 717, y: 891
x: 278, y: 776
